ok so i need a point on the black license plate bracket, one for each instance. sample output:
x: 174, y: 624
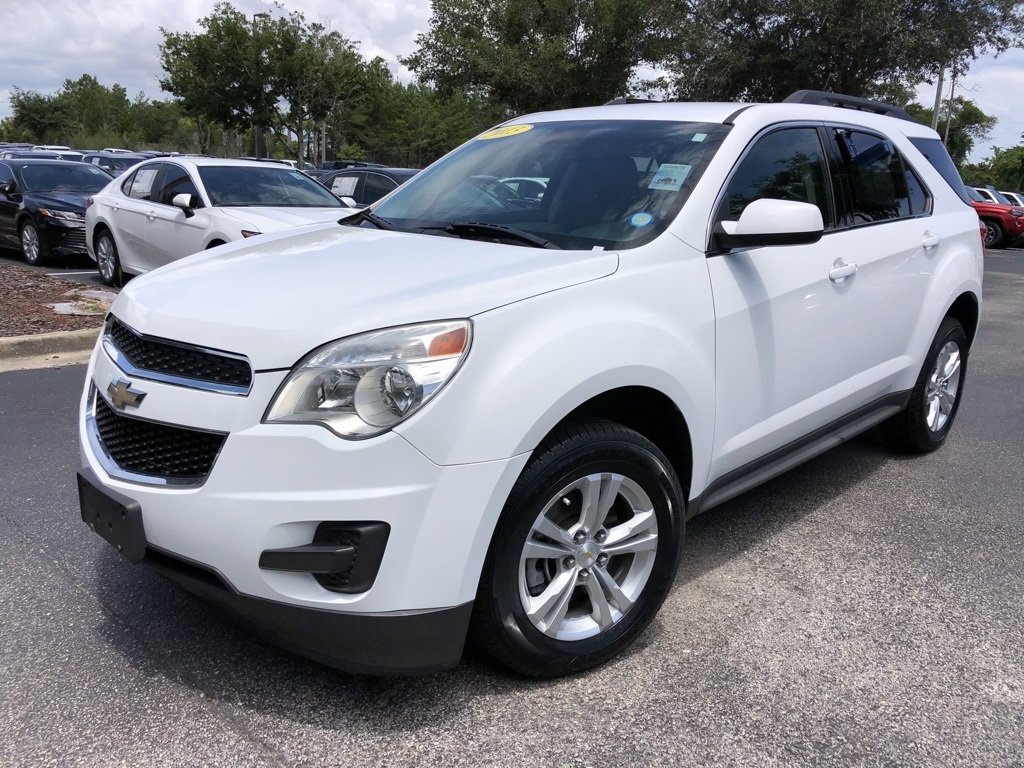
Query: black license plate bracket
x: 114, y: 516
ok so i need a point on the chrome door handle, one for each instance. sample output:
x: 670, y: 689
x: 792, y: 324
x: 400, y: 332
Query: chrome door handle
x: 841, y: 270
x: 930, y: 240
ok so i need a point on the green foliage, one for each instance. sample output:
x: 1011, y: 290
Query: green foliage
x: 1005, y: 169
x: 531, y: 55
x: 962, y: 125
x: 762, y: 51
x: 220, y: 74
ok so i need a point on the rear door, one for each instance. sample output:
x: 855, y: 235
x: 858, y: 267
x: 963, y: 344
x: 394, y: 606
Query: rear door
x: 128, y: 210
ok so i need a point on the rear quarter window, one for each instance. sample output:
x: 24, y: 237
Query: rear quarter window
x: 937, y: 155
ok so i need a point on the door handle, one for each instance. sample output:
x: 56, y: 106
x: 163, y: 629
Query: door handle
x: 151, y: 215
x: 841, y: 270
x: 930, y: 240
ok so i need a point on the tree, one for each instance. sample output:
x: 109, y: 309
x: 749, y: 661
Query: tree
x: 314, y: 70
x: 962, y: 125
x: 222, y: 73
x: 533, y: 55
x: 763, y: 50
x: 1005, y: 168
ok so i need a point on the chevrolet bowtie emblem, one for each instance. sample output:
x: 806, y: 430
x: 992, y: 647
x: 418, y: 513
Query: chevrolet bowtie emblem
x: 122, y: 395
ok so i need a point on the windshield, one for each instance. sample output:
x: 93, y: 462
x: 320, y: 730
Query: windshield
x: 580, y: 184
x: 975, y: 195
x: 1000, y: 198
x: 63, y: 177
x: 264, y: 186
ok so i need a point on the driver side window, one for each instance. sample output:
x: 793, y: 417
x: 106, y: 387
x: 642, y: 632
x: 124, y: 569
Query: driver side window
x: 788, y: 164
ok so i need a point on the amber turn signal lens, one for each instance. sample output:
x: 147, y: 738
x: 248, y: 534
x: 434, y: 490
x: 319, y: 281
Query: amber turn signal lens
x: 446, y: 344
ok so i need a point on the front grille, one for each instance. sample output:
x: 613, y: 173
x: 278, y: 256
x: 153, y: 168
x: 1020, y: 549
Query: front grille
x: 74, y: 240
x: 158, y: 450
x: 149, y: 353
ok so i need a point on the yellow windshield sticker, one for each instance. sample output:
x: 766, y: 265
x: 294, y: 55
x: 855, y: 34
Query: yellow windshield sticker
x: 508, y: 130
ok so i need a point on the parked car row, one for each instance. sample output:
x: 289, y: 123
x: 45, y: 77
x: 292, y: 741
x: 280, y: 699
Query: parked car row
x: 42, y: 205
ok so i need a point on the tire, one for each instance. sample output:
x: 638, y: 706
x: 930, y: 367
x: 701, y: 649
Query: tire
x: 993, y: 234
x: 577, y: 603
x: 935, y: 400
x: 32, y: 247
x: 108, y: 263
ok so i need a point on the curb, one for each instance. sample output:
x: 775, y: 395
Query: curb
x: 49, y: 343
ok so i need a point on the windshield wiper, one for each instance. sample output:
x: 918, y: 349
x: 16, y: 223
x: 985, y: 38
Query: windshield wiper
x: 369, y: 216
x: 484, y: 228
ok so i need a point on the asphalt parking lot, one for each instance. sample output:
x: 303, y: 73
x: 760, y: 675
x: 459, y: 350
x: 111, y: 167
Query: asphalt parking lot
x: 865, y: 609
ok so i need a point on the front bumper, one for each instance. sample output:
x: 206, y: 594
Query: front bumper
x: 62, y: 238
x: 272, y: 486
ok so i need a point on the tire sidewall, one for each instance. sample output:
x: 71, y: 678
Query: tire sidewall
x: 29, y: 224
x: 950, y: 330
x: 116, y: 265
x: 500, y: 585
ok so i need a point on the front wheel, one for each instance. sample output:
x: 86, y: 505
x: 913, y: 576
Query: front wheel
x: 32, y: 247
x: 924, y: 424
x: 584, y: 552
x: 107, y: 261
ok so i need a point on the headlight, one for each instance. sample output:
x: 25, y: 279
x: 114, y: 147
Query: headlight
x: 364, y: 385
x: 69, y: 215
x: 1016, y: 212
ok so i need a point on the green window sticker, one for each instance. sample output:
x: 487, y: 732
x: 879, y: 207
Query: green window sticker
x: 670, y: 177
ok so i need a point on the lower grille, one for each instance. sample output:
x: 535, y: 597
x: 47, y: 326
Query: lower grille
x: 74, y: 240
x: 156, y: 450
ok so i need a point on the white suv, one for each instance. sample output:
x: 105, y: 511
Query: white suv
x: 468, y: 411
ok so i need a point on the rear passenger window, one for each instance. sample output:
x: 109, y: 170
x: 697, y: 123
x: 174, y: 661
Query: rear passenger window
x: 874, y: 171
x: 375, y: 187
x: 785, y: 165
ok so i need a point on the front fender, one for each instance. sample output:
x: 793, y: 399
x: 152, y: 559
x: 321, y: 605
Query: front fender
x: 535, y: 361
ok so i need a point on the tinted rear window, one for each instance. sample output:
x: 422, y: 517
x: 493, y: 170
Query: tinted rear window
x: 937, y: 155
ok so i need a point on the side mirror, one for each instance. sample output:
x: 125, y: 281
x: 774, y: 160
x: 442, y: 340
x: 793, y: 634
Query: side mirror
x: 350, y: 202
x: 772, y: 222
x: 188, y: 203
x: 7, y: 187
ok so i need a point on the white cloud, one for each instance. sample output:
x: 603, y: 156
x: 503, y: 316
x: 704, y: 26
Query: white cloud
x: 117, y: 42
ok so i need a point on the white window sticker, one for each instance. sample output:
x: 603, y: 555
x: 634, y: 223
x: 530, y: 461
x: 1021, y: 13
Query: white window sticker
x: 699, y: 137
x: 670, y: 177
x: 344, y: 186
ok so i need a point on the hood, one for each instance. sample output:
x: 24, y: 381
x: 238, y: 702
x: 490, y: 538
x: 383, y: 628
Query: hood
x: 272, y: 219
x: 71, y: 201
x: 276, y: 297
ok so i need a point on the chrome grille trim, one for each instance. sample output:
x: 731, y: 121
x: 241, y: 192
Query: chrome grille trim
x: 122, y: 361
x: 111, y: 467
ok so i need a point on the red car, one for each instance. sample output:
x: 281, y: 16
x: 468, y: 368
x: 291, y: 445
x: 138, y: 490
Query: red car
x: 1002, y: 222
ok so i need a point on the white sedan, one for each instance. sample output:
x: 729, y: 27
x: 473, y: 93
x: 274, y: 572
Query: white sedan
x: 168, y: 208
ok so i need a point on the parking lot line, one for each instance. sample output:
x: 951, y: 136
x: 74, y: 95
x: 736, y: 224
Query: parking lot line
x: 65, y: 274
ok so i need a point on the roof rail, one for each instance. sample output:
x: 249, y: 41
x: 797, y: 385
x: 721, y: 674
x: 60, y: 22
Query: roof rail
x: 630, y: 100
x: 824, y: 99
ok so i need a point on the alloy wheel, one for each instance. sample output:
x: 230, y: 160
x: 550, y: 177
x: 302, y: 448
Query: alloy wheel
x: 588, y: 557
x: 942, y: 388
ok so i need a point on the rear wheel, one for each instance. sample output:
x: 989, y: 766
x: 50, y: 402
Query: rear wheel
x: 584, y: 553
x: 924, y: 424
x: 993, y: 234
x: 32, y: 247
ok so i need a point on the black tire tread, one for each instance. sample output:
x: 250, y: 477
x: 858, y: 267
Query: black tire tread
x: 570, y: 436
x: 903, y: 432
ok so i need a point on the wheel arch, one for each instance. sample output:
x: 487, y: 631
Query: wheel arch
x: 652, y: 414
x: 967, y: 311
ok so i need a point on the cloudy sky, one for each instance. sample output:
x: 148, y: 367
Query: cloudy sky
x: 117, y: 40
